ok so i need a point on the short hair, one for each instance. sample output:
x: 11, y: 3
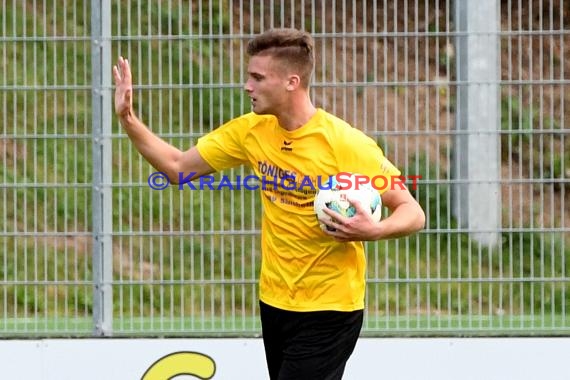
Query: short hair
x: 291, y: 46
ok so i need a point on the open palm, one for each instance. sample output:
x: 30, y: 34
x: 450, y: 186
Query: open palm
x: 123, y: 87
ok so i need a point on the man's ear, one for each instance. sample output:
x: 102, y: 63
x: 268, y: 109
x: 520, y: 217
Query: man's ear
x: 293, y: 82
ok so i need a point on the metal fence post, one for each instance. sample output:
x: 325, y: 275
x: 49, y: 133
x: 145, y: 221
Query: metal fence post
x: 102, y: 149
x: 477, y: 157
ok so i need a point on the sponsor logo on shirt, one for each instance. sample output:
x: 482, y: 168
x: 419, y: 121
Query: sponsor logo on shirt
x: 287, y: 146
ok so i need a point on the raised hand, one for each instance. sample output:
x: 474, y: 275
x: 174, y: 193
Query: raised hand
x: 123, y: 88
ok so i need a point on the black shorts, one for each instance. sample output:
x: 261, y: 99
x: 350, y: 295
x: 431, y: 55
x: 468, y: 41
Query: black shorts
x: 308, y: 345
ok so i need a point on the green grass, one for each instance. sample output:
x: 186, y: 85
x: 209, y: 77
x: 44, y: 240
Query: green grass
x: 431, y: 283
x: 238, y: 325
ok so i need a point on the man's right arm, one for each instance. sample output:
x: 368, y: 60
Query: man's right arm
x: 161, y: 155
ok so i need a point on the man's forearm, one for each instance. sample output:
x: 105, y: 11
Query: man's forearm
x: 406, y: 219
x: 161, y: 155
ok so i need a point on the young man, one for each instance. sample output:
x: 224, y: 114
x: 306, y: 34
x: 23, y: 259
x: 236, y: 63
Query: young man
x: 312, y: 283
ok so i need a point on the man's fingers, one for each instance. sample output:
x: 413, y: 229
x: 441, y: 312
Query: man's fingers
x: 116, y: 74
x: 122, y: 71
x: 336, y: 220
x: 356, y: 203
x: 333, y: 214
x: 125, y: 69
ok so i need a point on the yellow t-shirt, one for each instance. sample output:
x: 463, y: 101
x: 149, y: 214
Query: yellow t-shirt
x: 302, y: 268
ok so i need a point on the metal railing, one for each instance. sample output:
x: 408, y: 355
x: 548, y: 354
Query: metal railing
x: 88, y: 248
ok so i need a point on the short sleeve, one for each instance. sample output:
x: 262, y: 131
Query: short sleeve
x: 360, y: 154
x: 223, y: 147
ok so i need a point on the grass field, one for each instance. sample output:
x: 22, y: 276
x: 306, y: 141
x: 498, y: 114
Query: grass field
x: 213, y: 326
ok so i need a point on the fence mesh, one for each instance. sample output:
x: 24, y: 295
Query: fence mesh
x: 186, y: 262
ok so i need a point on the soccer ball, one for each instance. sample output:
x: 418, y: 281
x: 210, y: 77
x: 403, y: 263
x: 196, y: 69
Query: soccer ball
x: 335, y: 193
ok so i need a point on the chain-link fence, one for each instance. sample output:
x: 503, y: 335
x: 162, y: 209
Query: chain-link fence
x: 471, y: 96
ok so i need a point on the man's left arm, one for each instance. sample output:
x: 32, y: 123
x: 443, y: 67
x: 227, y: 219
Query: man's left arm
x: 407, y: 217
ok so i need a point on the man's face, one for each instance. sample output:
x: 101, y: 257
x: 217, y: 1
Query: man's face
x: 266, y: 85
